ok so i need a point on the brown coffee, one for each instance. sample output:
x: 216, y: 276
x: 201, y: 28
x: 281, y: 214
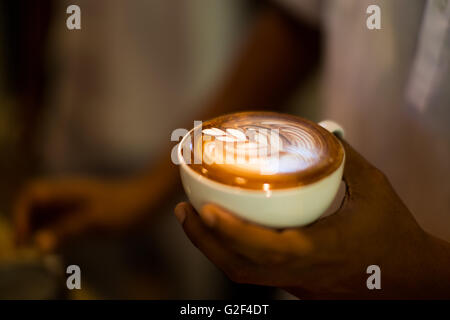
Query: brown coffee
x: 263, y: 150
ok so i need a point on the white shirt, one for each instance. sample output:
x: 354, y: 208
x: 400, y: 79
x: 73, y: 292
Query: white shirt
x: 390, y: 89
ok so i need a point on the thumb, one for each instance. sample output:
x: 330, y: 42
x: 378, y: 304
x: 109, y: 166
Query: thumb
x: 357, y: 170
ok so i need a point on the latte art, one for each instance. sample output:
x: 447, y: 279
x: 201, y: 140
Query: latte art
x: 246, y: 149
x: 264, y: 150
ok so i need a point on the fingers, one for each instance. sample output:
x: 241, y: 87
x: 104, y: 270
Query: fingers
x: 354, y: 163
x: 203, y: 238
x: 358, y: 172
x: 33, y: 194
x: 40, y: 194
x: 21, y: 218
x: 249, y: 239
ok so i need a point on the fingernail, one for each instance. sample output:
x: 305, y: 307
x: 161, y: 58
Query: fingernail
x: 208, y: 217
x: 180, y: 214
x: 45, y: 240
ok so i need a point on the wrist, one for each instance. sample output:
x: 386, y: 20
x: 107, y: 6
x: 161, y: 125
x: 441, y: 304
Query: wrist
x: 438, y: 267
x: 426, y: 273
x: 150, y: 188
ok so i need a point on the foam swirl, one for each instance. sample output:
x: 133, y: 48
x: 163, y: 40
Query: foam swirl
x: 261, y: 150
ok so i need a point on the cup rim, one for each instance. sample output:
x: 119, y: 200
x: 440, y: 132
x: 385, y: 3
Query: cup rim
x: 237, y: 189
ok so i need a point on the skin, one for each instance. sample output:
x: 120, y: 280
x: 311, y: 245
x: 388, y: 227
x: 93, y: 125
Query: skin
x: 328, y: 259
x: 48, y: 212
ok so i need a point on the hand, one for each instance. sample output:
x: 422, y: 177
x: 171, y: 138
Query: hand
x: 54, y: 210
x: 328, y: 259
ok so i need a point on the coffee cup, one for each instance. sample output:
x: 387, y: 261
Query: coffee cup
x: 310, y: 168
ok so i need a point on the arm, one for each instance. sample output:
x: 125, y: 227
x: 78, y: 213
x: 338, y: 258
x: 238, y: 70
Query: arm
x: 329, y: 258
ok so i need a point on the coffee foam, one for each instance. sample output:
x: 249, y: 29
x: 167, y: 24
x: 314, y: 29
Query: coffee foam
x: 264, y: 150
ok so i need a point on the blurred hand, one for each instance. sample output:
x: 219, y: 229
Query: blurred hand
x: 329, y: 258
x: 51, y: 211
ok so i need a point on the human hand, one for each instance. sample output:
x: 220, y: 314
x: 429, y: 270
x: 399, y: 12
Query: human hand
x: 52, y: 211
x: 329, y: 258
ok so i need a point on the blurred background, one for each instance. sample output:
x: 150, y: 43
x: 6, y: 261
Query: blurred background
x: 101, y: 101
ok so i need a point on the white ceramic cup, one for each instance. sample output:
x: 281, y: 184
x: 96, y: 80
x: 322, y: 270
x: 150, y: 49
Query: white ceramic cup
x: 279, y: 208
